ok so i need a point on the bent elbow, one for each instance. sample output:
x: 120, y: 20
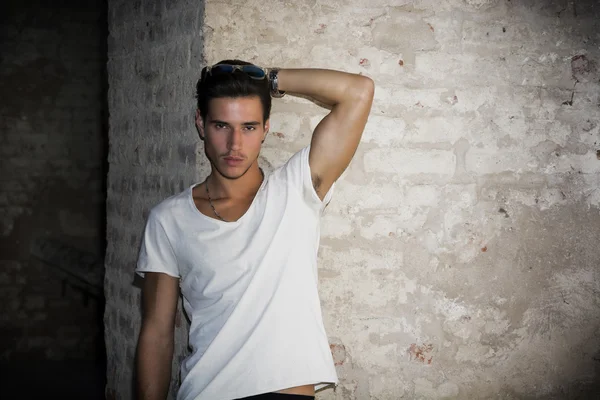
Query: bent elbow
x: 365, y: 89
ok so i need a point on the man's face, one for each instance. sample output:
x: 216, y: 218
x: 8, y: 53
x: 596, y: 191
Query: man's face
x: 233, y: 132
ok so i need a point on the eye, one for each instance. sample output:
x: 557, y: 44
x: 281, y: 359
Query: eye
x: 219, y: 126
x: 250, y: 128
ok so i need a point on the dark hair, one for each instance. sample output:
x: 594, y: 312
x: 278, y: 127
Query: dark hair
x: 235, y: 84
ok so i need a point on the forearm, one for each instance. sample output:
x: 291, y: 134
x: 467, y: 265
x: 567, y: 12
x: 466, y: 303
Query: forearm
x: 153, y: 366
x: 326, y: 86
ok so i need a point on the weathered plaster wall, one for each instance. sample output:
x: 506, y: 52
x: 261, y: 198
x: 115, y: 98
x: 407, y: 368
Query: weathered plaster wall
x: 459, y: 256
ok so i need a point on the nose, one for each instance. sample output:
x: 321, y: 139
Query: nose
x: 235, y: 139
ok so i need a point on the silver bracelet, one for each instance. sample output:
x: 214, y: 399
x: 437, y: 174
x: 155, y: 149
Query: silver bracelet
x: 275, y: 92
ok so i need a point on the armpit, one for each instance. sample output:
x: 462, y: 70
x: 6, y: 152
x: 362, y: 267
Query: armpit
x: 316, y: 182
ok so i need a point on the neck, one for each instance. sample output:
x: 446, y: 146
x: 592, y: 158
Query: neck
x: 244, y: 186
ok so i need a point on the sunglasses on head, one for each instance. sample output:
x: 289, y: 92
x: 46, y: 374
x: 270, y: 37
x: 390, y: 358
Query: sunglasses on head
x: 252, y: 71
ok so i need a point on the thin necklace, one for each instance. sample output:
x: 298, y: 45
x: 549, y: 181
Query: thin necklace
x: 210, y: 200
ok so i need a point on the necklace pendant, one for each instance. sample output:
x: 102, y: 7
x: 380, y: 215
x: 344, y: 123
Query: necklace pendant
x: 210, y: 200
x: 212, y: 205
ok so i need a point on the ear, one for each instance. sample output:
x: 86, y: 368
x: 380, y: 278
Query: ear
x: 267, y: 127
x: 199, y: 124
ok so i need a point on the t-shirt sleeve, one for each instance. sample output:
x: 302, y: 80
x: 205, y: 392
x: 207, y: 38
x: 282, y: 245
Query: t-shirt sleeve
x: 298, y: 174
x: 156, y: 252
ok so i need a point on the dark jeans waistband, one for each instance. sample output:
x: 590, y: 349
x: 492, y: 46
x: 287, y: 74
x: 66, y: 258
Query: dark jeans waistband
x: 278, y: 396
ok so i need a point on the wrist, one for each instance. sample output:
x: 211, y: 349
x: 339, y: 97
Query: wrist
x: 273, y: 75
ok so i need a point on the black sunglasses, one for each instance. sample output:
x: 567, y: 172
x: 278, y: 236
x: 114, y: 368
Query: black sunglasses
x: 252, y: 71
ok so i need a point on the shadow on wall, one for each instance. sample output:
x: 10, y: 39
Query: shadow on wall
x: 54, y: 132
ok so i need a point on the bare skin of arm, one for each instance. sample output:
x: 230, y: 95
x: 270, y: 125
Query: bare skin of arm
x: 156, y: 340
x: 337, y: 136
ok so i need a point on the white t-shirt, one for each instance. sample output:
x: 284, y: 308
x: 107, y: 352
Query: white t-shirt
x: 249, y: 287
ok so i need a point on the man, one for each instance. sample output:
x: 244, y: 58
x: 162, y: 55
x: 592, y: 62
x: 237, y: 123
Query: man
x: 242, y: 247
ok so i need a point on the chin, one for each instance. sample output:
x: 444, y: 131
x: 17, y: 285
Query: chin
x: 233, y: 172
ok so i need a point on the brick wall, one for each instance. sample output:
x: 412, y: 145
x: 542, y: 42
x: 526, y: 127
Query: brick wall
x: 459, y: 256
x: 52, y: 112
x: 155, y: 52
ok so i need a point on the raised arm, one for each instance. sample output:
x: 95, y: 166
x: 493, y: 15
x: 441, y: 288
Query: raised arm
x: 337, y: 136
x: 155, y: 342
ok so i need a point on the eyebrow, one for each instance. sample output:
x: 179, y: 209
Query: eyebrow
x: 249, y: 123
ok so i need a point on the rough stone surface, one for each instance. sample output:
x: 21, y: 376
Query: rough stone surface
x: 459, y: 255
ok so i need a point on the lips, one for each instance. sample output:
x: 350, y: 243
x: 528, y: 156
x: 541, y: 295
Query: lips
x: 233, y: 161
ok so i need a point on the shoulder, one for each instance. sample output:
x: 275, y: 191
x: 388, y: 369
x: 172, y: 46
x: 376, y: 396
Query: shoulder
x: 295, y: 173
x: 170, y: 206
x: 294, y: 164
